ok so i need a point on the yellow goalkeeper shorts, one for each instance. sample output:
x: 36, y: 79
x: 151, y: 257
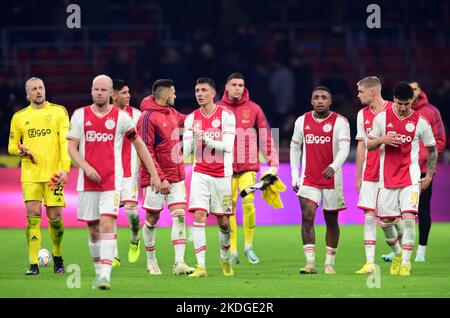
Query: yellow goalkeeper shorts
x: 242, y: 181
x: 36, y: 191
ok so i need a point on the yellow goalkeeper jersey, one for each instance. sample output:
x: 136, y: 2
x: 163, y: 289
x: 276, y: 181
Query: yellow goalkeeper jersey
x: 43, y: 131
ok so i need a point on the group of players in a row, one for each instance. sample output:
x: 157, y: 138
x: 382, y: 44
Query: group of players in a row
x: 105, y: 141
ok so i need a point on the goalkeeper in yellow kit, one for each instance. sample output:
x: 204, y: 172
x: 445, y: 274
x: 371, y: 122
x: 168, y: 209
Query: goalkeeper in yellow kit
x: 252, y: 129
x: 38, y: 135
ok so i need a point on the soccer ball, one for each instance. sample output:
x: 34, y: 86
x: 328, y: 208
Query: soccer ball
x: 44, y: 257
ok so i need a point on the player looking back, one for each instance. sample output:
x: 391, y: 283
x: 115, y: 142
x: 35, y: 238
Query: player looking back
x: 38, y: 135
x: 322, y: 140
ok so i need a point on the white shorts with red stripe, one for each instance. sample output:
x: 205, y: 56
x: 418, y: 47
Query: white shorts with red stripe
x: 211, y: 194
x: 392, y: 203
x: 332, y: 199
x: 368, y: 196
x: 129, y: 190
x: 154, y: 202
x: 93, y: 204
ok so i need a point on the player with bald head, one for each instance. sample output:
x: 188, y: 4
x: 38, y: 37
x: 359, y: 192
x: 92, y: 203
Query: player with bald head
x: 38, y: 135
x: 95, y: 145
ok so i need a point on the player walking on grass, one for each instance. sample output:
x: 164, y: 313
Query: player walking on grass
x: 159, y: 127
x: 432, y: 115
x: 400, y: 129
x: 249, y: 116
x: 368, y: 166
x: 38, y: 135
x: 129, y: 190
x: 209, y: 132
x: 95, y: 145
x: 322, y: 140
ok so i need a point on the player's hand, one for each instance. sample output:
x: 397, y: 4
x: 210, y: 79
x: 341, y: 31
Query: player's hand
x: 155, y: 183
x: 425, y: 182
x: 296, y: 184
x: 391, y: 139
x: 358, y: 184
x: 165, y: 187
x: 92, y: 174
x: 59, y: 179
x: 198, y: 134
x: 272, y: 170
x: 328, y: 173
x: 24, y: 152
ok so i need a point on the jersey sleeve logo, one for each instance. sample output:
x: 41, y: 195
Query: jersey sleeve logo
x: 110, y: 124
x: 410, y: 127
x: 327, y: 127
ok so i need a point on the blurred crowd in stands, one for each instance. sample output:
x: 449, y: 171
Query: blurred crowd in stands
x: 284, y: 49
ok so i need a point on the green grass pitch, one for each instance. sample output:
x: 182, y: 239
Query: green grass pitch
x: 280, y: 252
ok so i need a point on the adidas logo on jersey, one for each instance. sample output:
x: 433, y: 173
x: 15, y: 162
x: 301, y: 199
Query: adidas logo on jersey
x: 367, y: 122
x: 390, y: 125
x: 307, y: 127
x: 88, y: 123
x: 27, y: 123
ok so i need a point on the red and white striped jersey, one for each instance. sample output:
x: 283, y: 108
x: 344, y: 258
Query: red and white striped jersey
x: 364, y: 120
x: 399, y: 166
x: 220, y: 127
x: 130, y: 159
x: 101, y: 139
x: 324, y: 143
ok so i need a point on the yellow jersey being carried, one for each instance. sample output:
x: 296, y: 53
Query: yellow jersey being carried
x: 43, y: 131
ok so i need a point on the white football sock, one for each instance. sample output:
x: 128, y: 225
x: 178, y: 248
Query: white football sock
x: 224, y: 241
x: 330, y: 255
x: 409, y: 237
x: 370, y: 236
x: 200, y: 243
x: 390, y: 234
x: 134, y: 221
x: 310, y: 253
x: 107, y: 243
x: 149, y: 235
x: 94, y: 248
x: 179, y: 234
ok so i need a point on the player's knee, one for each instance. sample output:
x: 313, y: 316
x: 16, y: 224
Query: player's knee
x: 179, y: 214
x: 331, y: 219
x: 152, y: 218
x: 387, y: 222
x: 307, y: 219
x: 131, y: 209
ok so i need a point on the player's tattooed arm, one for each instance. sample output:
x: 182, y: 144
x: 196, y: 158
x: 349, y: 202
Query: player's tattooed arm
x: 431, y: 167
x: 432, y: 160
